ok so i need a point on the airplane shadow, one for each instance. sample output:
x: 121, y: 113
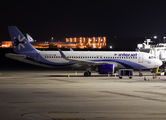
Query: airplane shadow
x: 75, y: 76
x: 102, y: 75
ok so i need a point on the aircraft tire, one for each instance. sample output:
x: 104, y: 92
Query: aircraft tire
x: 89, y: 73
x: 86, y: 74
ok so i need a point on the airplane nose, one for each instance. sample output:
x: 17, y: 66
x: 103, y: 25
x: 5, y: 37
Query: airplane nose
x: 160, y: 63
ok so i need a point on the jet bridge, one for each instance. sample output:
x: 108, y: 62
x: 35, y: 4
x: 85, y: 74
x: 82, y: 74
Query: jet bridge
x: 158, y: 51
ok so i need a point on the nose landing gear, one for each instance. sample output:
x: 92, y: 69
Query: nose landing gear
x: 140, y: 74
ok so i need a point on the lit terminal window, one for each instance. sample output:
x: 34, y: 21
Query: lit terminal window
x: 75, y: 39
x: 71, y: 40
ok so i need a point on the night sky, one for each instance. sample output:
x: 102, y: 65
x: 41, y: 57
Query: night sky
x: 75, y: 18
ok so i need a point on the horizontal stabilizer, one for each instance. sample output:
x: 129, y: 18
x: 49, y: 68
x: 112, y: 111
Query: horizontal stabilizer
x: 22, y: 58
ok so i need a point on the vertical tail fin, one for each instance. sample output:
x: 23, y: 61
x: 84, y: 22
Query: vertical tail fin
x: 30, y: 39
x: 19, y: 42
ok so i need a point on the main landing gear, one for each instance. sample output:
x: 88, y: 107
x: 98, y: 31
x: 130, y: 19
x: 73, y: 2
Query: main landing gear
x: 87, y: 73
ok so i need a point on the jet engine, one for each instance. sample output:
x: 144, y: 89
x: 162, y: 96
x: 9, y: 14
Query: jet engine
x: 106, y: 68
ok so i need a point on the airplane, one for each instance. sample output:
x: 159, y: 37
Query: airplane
x: 30, y: 39
x: 102, y: 61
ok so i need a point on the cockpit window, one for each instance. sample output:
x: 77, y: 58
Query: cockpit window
x: 152, y: 57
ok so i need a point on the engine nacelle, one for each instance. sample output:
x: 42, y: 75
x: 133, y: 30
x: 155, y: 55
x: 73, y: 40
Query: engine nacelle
x: 106, y: 68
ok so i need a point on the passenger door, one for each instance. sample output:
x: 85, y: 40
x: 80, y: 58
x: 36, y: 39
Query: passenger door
x: 140, y: 58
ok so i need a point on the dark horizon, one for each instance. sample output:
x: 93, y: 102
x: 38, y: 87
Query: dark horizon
x: 43, y: 20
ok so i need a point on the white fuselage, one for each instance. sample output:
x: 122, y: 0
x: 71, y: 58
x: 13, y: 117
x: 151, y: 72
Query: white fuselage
x: 121, y: 59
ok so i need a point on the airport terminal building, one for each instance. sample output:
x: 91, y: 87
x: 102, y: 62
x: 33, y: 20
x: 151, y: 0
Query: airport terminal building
x: 80, y: 42
x: 88, y: 42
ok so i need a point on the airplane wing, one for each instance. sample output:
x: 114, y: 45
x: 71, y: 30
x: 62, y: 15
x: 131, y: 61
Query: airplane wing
x: 83, y: 62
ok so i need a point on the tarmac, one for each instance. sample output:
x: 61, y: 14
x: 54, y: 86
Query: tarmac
x: 68, y: 95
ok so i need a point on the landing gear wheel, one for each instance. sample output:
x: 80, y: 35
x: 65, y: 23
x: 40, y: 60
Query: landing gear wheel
x: 140, y: 74
x: 88, y: 73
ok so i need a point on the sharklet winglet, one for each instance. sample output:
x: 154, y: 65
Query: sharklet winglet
x: 71, y: 49
x: 62, y: 54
